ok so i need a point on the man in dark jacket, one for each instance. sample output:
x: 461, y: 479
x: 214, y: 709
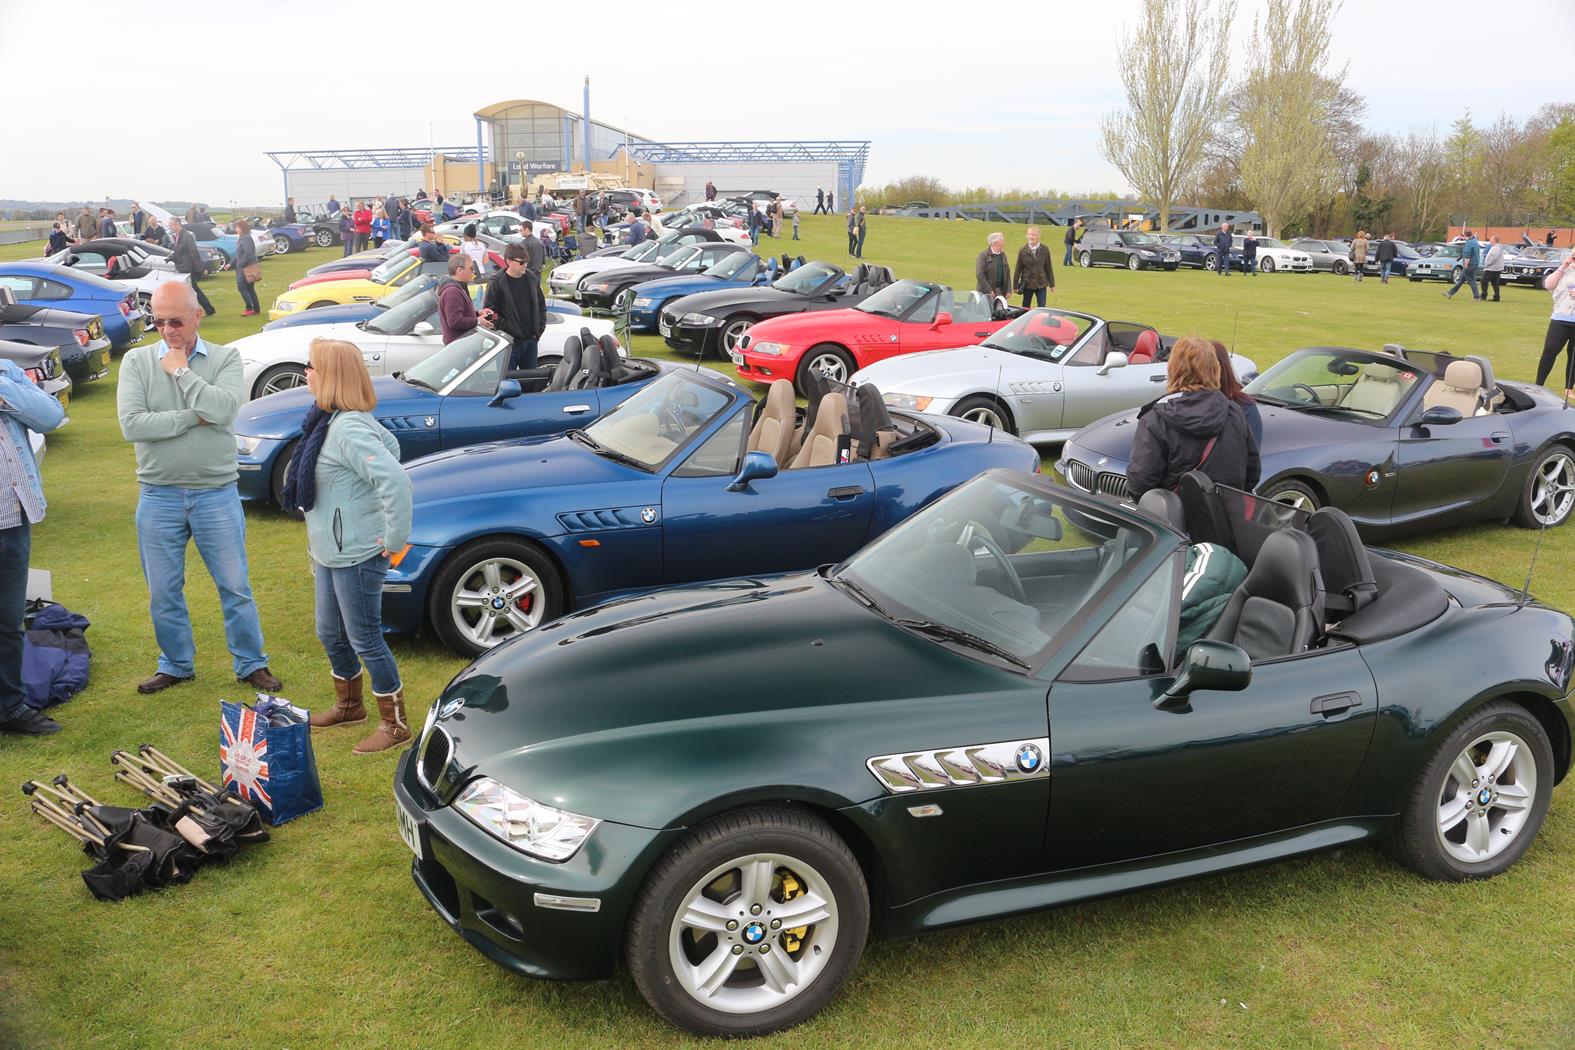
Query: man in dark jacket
x: 106, y: 222
x: 433, y: 248
x: 456, y: 309
x: 139, y: 219
x: 1073, y: 230
x: 58, y: 241
x: 820, y: 201
x: 992, y: 274
x: 1035, y: 273
x: 1222, y: 247
x: 1249, y: 254
x: 710, y: 190
x: 189, y: 261
x: 515, y: 305
x: 289, y: 210
x: 1386, y: 256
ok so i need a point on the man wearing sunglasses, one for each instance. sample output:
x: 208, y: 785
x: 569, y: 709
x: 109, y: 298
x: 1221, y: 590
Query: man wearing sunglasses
x: 177, y: 401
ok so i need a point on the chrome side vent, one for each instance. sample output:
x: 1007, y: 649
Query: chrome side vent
x: 967, y: 765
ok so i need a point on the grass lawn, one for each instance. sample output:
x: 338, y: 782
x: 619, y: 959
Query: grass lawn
x: 320, y: 939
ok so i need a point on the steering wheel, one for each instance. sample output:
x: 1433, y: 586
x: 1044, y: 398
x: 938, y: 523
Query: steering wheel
x: 1312, y: 395
x: 975, y: 532
x: 670, y: 423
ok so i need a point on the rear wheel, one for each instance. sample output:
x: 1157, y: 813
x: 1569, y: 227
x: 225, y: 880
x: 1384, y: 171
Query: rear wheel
x: 1549, y: 493
x: 1293, y: 494
x: 1341, y: 267
x: 279, y: 377
x: 281, y: 245
x: 492, y: 590
x: 986, y: 411
x: 1085, y: 260
x: 1211, y: 261
x: 826, y: 359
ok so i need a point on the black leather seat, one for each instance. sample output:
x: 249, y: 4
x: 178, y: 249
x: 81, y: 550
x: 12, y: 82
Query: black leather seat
x: 1164, y: 506
x: 1278, y: 609
x: 568, y: 365
x: 593, y: 369
x: 1343, y: 565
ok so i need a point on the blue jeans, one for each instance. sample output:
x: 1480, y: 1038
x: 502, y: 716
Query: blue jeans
x: 16, y: 544
x: 1030, y: 294
x: 523, y: 354
x: 167, y: 517
x: 350, y: 622
x: 349, y: 243
x: 1468, y: 277
x: 1068, y: 260
x: 1383, y: 271
x: 1224, y: 266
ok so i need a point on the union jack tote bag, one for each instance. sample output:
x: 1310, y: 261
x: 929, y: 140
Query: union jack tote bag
x: 271, y: 766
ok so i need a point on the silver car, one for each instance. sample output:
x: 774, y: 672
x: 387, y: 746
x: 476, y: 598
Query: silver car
x: 1041, y: 377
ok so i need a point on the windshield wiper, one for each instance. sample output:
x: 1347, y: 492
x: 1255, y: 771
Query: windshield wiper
x: 862, y: 595
x: 1278, y: 402
x: 404, y: 377
x: 602, y: 450
x: 962, y: 637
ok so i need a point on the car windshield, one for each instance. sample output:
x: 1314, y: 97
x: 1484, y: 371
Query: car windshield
x: 400, y: 319
x: 647, y: 429
x: 997, y: 569
x: 1044, y: 334
x: 386, y: 272
x: 408, y: 291
x: 807, y: 279
x: 454, y: 360
x: 669, y: 254
x: 895, y: 300
x: 645, y: 251
x: 736, y: 266
x: 682, y: 257
x: 1343, y: 382
x: 1137, y: 238
x: 1533, y: 253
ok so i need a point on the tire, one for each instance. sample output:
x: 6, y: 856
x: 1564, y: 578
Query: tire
x: 281, y: 245
x: 835, y: 362
x: 1440, y: 832
x: 709, y: 867
x: 732, y: 332
x: 1086, y: 260
x: 1134, y: 263
x: 324, y: 239
x: 1454, y: 275
x: 987, y: 411
x: 1548, y: 495
x: 1265, y: 265
x: 281, y: 472
x: 483, y: 570
x: 1211, y: 262
x: 1293, y: 493
x: 1341, y: 268
x: 277, y: 378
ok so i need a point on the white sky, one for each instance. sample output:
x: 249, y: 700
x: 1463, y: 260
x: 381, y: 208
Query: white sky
x: 208, y: 86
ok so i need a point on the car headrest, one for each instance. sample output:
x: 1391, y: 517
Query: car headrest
x: 869, y: 419
x: 1465, y: 376
x: 7, y: 297
x: 1378, y: 373
x: 1286, y: 570
x: 1146, y: 347
x: 1342, y: 561
x: 568, y: 364
x: 593, y: 369
x: 1164, y: 506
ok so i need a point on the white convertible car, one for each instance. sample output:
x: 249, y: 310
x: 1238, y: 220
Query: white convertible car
x: 390, y: 342
x: 1042, y: 377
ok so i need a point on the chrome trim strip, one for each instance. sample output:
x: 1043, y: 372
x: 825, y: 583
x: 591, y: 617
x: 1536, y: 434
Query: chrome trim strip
x: 967, y: 765
x: 557, y: 903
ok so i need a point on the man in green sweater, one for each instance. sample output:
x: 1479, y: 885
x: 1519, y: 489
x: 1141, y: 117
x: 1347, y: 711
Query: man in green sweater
x: 177, y: 401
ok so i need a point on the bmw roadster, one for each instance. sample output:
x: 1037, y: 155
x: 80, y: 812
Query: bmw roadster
x: 980, y: 714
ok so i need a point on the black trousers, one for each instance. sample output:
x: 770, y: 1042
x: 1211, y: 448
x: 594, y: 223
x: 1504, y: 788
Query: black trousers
x: 202, y: 300
x: 1560, y: 339
x: 820, y: 208
x: 1029, y: 294
x: 1490, y: 277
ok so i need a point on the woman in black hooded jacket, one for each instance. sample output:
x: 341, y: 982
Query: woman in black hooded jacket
x: 1193, y: 427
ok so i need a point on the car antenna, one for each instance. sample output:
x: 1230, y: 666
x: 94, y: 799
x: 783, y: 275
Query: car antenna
x: 1234, y: 321
x: 999, y: 369
x: 1525, y: 592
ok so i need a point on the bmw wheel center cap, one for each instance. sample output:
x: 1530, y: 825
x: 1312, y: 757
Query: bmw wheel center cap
x: 754, y: 933
x: 499, y: 602
x: 1028, y: 758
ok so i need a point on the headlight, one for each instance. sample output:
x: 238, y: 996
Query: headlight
x: 914, y: 402
x: 642, y: 303
x: 524, y: 823
x: 282, y: 306
x: 769, y: 349
x: 701, y: 320
x: 245, y: 446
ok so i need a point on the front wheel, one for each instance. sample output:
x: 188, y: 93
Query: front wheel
x: 1292, y: 494
x: 833, y: 362
x: 986, y: 411
x: 490, y: 591
x: 1481, y: 798
x: 750, y: 925
x: 1085, y: 260
x: 1548, y: 495
x: 279, y: 377
x: 733, y: 334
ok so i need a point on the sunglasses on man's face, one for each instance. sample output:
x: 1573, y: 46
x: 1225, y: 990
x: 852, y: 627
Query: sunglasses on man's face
x: 162, y: 323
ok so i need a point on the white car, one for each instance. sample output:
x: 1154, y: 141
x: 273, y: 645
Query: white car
x: 564, y: 281
x: 390, y: 342
x: 726, y: 228
x: 1276, y: 255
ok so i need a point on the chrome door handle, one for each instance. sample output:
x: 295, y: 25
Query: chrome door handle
x: 575, y: 410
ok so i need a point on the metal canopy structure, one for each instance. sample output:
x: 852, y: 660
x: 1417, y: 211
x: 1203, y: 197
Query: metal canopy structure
x: 1183, y: 218
x: 378, y: 157
x: 850, y: 155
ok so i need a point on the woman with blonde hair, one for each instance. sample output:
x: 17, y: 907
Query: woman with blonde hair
x: 1193, y: 427
x: 346, y: 479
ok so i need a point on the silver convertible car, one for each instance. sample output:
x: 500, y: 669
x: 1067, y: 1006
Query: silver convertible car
x: 1042, y: 377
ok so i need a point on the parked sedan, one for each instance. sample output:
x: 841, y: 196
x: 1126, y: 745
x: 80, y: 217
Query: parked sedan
x: 600, y: 796
x: 463, y: 394
x: 1196, y: 251
x: 1329, y: 256
x: 1129, y: 248
x: 1041, y: 377
x: 1274, y: 255
x: 1436, y: 262
x: 84, y: 348
x: 41, y: 283
x: 1532, y: 263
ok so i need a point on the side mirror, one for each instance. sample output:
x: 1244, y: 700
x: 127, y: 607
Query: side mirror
x: 942, y: 318
x: 757, y: 465
x: 1208, y: 665
x: 423, y: 328
x: 1116, y: 359
x: 1441, y: 416
x: 508, y: 390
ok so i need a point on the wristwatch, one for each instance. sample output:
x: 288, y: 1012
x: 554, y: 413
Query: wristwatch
x: 182, y: 370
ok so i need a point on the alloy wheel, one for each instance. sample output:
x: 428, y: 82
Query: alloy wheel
x: 753, y: 933
x: 830, y: 365
x: 1296, y: 498
x: 281, y: 245
x: 1487, y: 797
x: 987, y: 417
x: 1553, y: 489
x: 285, y: 379
x: 324, y: 239
x: 733, y: 335
x: 495, y: 600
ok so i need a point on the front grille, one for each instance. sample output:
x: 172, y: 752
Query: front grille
x: 436, y: 751
x: 1081, y: 475
x: 1113, y: 485
x: 1105, y: 482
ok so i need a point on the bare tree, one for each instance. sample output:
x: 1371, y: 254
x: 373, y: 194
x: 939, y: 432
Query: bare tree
x: 1425, y: 168
x: 1287, y: 155
x: 1170, y: 69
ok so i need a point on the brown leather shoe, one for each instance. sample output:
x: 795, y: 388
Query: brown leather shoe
x: 392, y: 729
x: 347, y: 707
x: 161, y: 681
x: 263, y: 681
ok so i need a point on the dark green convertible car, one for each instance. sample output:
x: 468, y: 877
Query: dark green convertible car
x: 987, y: 711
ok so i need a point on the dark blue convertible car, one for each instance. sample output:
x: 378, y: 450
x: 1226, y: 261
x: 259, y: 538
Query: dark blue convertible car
x: 460, y: 395
x: 686, y: 480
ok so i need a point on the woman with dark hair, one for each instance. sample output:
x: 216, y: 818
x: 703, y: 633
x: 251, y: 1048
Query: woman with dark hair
x: 1193, y: 427
x: 1230, y: 386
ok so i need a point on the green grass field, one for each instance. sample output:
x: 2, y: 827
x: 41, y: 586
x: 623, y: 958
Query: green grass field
x: 320, y: 939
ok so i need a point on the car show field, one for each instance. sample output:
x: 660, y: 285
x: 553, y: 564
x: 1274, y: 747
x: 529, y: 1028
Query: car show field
x: 1338, y: 948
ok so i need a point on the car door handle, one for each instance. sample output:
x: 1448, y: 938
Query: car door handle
x: 846, y: 492
x: 1158, y: 378
x: 1333, y: 704
x: 575, y: 410
x: 983, y: 334
x: 1500, y: 438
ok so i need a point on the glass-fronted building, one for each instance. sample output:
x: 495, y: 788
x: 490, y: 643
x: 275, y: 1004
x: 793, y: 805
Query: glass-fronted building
x: 534, y: 138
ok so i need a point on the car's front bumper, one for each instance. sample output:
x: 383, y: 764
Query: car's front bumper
x: 405, y: 589
x: 691, y: 339
x: 567, y: 287
x: 539, y: 918
x: 255, y: 477
x: 765, y: 368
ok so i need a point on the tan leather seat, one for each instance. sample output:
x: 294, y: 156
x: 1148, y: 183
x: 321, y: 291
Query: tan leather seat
x: 773, y: 433
x: 1460, y: 389
x: 1377, y: 389
x: 820, y: 444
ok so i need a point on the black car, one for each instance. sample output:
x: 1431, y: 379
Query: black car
x: 1532, y: 263
x: 715, y: 322
x: 84, y: 348
x: 1129, y: 248
x: 602, y: 291
x: 1196, y: 251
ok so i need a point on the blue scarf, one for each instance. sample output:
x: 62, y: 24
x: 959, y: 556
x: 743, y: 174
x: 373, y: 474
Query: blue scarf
x: 300, y: 487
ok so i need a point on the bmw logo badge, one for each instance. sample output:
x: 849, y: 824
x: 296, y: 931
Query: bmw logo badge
x: 754, y: 933
x: 1484, y: 797
x: 1028, y: 758
x: 648, y: 515
x: 499, y: 602
x: 1372, y: 477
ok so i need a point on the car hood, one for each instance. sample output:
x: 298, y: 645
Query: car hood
x: 728, y: 299
x: 332, y: 275
x: 595, y: 264
x: 279, y: 415
x: 637, y: 271
x: 847, y: 325
x: 270, y: 345
x: 562, y: 706
x: 950, y: 373
x: 346, y: 288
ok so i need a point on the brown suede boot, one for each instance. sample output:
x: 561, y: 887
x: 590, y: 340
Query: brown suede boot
x: 391, y: 726
x: 347, y: 707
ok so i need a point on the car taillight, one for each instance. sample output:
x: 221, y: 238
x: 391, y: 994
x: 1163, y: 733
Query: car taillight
x: 82, y: 336
x: 125, y: 307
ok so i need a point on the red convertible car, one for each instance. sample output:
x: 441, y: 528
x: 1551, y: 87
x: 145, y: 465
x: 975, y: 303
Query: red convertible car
x: 903, y: 318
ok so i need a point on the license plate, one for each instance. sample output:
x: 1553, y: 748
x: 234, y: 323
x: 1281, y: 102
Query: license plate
x: 738, y: 358
x: 666, y: 330
x: 409, y: 829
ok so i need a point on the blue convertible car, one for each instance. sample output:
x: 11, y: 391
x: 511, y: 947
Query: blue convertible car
x: 687, y: 480
x: 460, y: 395
x: 42, y: 283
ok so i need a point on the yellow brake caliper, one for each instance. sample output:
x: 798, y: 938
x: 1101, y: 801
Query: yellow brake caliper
x: 792, y: 940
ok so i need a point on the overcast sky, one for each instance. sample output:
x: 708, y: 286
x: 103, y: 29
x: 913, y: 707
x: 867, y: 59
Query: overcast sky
x: 1000, y: 96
